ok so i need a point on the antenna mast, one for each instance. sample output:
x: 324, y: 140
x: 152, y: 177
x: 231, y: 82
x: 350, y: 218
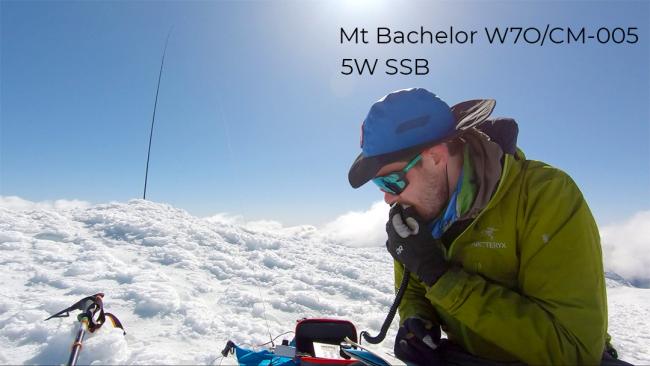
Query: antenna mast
x: 153, y: 118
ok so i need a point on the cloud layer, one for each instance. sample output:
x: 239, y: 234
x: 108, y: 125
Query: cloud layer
x: 18, y: 204
x: 353, y: 229
x: 625, y: 247
x: 360, y: 229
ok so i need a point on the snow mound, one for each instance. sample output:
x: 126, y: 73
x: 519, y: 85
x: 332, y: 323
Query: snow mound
x: 182, y: 286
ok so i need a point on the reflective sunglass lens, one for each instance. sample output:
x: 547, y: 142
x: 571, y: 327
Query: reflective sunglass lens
x: 392, y: 183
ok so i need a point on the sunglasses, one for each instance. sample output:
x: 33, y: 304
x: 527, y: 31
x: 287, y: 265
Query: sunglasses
x: 395, y: 183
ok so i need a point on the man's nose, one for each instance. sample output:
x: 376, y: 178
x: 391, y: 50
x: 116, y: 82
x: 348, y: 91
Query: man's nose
x: 389, y: 198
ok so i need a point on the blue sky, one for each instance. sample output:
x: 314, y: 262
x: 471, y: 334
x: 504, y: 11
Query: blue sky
x: 254, y: 117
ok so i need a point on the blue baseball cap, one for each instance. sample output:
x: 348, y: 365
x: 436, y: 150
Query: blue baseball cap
x: 405, y: 122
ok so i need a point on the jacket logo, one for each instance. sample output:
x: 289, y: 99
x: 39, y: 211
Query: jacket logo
x: 489, y: 245
x: 399, y: 250
x: 489, y: 232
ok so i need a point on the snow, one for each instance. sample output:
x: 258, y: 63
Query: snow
x: 182, y: 285
x: 629, y: 323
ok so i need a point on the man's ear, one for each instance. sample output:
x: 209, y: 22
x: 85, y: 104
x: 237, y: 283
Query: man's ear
x: 438, y: 153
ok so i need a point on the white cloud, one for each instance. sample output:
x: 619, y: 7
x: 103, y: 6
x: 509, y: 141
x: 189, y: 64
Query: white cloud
x: 18, y: 204
x: 239, y: 220
x: 226, y: 218
x: 264, y: 225
x: 625, y: 246
x: 360, y: 229
x: 261, y: 226
x: 353, y: 229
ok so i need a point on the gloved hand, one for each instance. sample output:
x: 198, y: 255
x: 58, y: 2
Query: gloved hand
x: 416, y: 342
x: 410, y: 243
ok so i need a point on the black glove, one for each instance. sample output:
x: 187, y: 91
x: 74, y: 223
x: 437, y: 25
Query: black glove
x: 416, y: 342
x: 411, y: 243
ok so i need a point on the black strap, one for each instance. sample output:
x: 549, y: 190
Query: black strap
x: 101, y: 318
x: 228, y: 349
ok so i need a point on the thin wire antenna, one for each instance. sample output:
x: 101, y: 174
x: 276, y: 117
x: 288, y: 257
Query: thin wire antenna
x: 153, y: 118
x: 268, y: 328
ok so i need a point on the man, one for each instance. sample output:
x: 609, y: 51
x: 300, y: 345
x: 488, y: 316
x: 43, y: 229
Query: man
x: 502, y: 252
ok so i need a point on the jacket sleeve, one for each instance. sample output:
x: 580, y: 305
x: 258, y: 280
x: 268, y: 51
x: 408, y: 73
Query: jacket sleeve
x: 558, y: 313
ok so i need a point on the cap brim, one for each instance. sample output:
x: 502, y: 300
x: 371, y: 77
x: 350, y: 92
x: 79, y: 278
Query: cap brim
x: 365, y: 168
x: 467, y: 114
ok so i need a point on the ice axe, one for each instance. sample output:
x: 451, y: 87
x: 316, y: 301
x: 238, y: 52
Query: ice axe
x: 91, y: 318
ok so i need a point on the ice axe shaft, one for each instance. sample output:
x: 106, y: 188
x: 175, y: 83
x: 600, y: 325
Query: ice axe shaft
x: 76, y: 346
x: 83, y: 326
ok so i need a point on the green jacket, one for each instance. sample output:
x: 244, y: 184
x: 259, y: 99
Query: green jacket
x: 529, y: 283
